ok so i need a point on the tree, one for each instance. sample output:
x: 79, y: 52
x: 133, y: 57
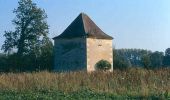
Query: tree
x: 130, y: 56
x: 166, y: 59
x: 29, y: 37
x: 40, y: 58
x: 120, y: 61
x: 46, y: 55
x: 146, y: 61
x: 103, y: 65
x: 3, y: 63
x: 156, y: 59
x: 167, y: 52
x: 30, y: 27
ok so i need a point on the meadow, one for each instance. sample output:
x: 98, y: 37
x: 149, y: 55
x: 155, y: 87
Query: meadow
x: 132, y: 83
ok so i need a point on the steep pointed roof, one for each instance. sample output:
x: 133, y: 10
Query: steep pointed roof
x: 83, y: 26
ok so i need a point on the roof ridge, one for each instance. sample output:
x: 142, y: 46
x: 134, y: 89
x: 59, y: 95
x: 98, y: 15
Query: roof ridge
x: 85, y: 26
x: 82, y: 16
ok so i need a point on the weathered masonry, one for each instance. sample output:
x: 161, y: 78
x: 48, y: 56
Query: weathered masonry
x: 81, y: 46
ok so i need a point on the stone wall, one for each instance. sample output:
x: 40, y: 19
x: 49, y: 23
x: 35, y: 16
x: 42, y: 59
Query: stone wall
x: 81, y: 53
x: 98, y: 49
x: 70, y: 54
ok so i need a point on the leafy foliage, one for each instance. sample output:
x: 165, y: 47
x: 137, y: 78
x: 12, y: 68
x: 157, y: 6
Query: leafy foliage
x: 146, y: 61
x: 28, y: 46
x: 40, y: 59
x: 30, y: 28
x: 124, y: 58
x: 156, y: 59
x: 130, y: 57
x: 3, y: 62
x: 119, y: 61
x: 166, y: 59
x: 103, y: 65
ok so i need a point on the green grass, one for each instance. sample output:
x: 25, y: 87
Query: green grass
x: 78, y: 95
x: 133, y: 83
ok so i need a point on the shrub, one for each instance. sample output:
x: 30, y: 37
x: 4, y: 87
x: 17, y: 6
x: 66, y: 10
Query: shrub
x: 103, y: 65
x: 120, y: 62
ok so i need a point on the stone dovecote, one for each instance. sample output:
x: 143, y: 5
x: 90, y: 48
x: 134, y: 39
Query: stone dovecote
x: 81, y: 46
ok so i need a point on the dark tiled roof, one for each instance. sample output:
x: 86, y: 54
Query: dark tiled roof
x: 83, y: 26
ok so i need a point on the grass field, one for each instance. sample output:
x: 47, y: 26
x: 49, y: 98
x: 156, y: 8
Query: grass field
x: 133, y: 83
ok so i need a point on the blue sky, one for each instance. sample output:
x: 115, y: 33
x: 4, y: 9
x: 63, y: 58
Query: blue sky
x: 143, y: 24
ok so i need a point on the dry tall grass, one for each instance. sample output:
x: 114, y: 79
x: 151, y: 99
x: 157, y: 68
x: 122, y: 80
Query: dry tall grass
x: 133, y: 81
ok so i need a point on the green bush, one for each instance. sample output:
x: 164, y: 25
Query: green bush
x: 103, y: 65
x: 121, y: 63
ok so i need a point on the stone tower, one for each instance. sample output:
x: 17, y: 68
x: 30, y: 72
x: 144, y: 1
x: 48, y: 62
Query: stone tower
x: 81, y: 46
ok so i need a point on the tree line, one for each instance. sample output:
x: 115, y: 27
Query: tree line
x: 124, y: 58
